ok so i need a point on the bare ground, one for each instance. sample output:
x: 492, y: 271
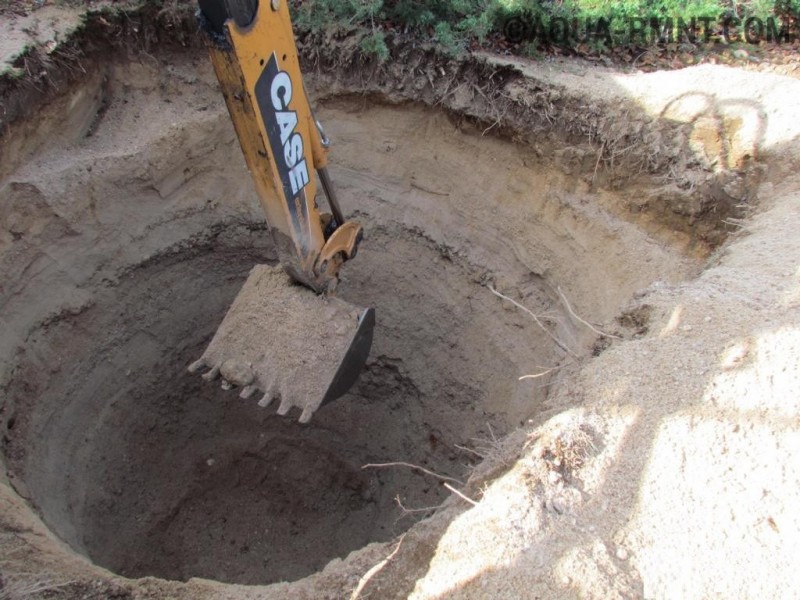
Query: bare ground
x: 655, y: 463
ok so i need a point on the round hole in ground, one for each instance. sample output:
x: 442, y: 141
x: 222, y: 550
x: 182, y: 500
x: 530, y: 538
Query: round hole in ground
x: 149, y: 470
x: 152, y: 471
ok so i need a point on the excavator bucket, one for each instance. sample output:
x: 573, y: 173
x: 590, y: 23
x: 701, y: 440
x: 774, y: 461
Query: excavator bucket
x: 288, y: 343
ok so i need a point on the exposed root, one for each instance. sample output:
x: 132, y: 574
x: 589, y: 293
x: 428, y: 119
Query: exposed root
x: 537, y: 319
x: 460, y: 494
x: 38, y: 586
x: 584, y: 321
x: 415, y: 467
x: 543, y: 373
x: 470, y: 450
x: 362, y: 583
x: 408, y: 511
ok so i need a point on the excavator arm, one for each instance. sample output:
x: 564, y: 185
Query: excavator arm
x: 285, y: 335
x: 254, y: 55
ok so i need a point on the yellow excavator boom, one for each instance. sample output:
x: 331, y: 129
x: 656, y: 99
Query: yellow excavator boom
x: 258, y: 69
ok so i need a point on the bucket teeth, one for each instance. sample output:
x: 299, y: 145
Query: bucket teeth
x: 305, y: 417
x: 266, y: 399
x: 212, y: 374
x: 196, y: 365
x: 284, y: 407
x: 248, y: 391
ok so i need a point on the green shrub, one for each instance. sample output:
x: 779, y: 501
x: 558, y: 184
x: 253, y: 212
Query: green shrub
x: 374, y: 44
x: 453, y: 24
x: 314, y: 15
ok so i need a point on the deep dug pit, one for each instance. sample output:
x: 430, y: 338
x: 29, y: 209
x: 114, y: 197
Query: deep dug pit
x: 148, y: 470
x: 125, y: 242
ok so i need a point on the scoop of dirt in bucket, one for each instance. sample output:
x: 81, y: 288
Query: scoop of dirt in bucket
x: 286, y: 341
